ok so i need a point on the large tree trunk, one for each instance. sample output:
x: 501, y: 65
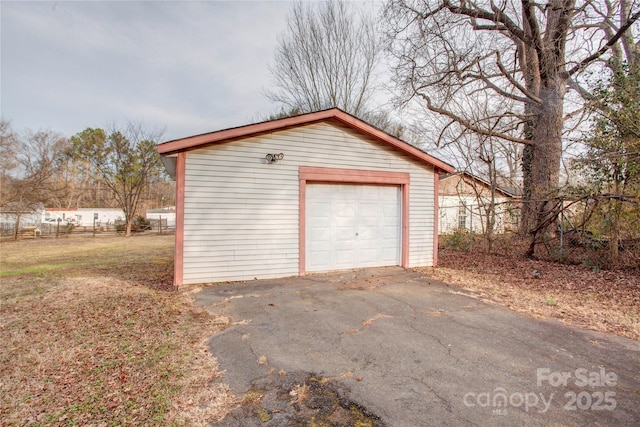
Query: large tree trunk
x: 529, y: 61
x: 543, y: 63
x: 546, y: 154
x: 547, y: 143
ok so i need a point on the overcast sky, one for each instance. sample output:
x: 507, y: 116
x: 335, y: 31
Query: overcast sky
x: 187, y: 67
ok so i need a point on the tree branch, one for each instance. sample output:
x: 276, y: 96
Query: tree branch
x: 513, y: 81
x: 467, y: 124
x: 612, y: 41
x: 498, y: 17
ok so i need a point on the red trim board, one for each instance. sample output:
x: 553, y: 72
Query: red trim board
x: 226, y: 135
x: 436, y: 215
x: 178, y: 262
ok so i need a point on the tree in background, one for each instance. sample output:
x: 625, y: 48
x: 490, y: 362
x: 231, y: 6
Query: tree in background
x: 81, y: 189
x: 450, y: 53
x: 8, y: 149
x: 326, y: 58
x: 123, y: 160
x: 612, y: 162
x: 29, y: 166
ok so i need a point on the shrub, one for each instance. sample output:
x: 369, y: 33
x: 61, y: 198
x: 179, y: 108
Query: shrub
x: 460, y: 239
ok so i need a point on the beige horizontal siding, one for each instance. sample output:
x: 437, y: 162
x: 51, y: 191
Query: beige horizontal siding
x: 241, y: 214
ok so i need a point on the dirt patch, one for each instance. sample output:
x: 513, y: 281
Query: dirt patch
x: 299, y: 399
x: 605, y: 301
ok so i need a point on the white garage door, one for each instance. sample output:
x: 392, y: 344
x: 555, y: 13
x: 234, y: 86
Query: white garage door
x: 352, y: 226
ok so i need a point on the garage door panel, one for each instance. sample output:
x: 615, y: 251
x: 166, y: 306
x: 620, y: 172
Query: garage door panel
x: 369, y: 257
x: 389, y: 211
x: 370, y: 212
x: 369, y: 208
x: 362, y: 223
x: 343, y: 240
x: 370, y: 218
x: 341, y: 260
x: 367, y: 234
x: 389, y: 233
x: 387, y: 245
x: 320, y: 234
x: 344, y: 212
x: 320, y: 210
x: 370, y: 191
x: 318, y: 259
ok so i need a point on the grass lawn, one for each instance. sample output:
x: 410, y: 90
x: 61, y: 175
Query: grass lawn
x: 92, y: 334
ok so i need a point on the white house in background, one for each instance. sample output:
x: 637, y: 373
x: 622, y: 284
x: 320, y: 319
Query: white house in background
x: 27, y: 218
x: 167, y: 215
x: 464, y: 199
x: 315, y: 192
x: 83, y: 217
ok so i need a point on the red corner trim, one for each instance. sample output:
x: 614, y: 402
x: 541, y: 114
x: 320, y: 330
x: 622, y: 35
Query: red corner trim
x: 178, y: 262
x: 436, y: 216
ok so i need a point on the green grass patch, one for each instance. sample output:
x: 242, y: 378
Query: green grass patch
x: 41, y: 270
x: 141, y: 259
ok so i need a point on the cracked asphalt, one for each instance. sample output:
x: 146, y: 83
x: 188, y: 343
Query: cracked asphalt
x: 412, y: 351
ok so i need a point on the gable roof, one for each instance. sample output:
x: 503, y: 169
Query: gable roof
x: 198, y: 141
x: 465, y: 174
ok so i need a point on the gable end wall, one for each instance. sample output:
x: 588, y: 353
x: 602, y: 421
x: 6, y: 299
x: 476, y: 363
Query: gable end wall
x: 241, y: 214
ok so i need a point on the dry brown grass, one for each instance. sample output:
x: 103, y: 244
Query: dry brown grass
x: 92, y: 336
x: 605, y: 301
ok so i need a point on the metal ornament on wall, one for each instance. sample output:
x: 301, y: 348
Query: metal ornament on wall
x: 272, y: 158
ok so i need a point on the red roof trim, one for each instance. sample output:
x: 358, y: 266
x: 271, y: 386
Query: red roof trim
x: 190, y: 143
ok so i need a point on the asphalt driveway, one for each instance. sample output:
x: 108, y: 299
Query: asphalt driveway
x: 410, y: 351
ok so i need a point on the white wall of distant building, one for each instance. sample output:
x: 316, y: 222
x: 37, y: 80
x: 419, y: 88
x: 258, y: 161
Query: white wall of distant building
x: 83, y: 217
x: 166, y: 214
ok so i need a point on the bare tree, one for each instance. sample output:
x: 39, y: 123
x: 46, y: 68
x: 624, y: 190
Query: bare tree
x: 449, y: 53
x: 28, y: 182
x: 326, y: 58
x: 8, y: 149
x: 493, y: 161
x: 77, y: 184
x: 481, y: 158
x: 124, y: 161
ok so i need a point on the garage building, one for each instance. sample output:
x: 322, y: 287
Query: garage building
x: 315, y: 192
